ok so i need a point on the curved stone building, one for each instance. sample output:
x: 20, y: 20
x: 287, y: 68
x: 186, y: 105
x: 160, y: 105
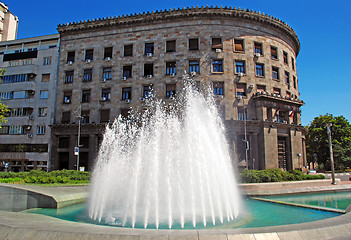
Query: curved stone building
x: 108, y: 66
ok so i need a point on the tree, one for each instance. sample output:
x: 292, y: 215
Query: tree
x: 3, y: 108
x: 317, y: 141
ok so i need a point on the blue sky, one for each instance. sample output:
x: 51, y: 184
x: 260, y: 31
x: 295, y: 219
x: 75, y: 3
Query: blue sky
x: 323, y: 27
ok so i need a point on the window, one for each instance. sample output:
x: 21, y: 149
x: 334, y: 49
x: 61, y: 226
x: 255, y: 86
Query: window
x: 106, y: 74
x: 258, y: 48
x: 148, y: 69
x: 128, y: 50
x: 171, y: 68
x: 88, y: 75
x: 70, y: 57
x: 4, y: 130
x: 287, y: 78
x: 242, y: 113
x: 108, y: 53
x: 127, y: 71
x: 275, y: 73
x: 281, y: 116
x: 239, y: 66
x: 171, y: 46
x: 66, y: 117
x: 45, y: 77
x: 16, y: 130
x: 89, y: 55
x: 261, y: 88
x: 149, y: 49
x: 194, y: 66
x: 64, y: 142
x: 241, y: 89
x: 170, y: 90
x: 67, y: 97
x: 105, y: 94
x: 18, y: 112
x: 238, y: 45
x: 43, y: 112
x: 127, y: 93
x: 104, y: 115
x: 217, y: 43
x: 218, y: 88
x: 274, y: 53
x: 15, y: 78
x: 47, y: 60
x: 85, y: 116
x: 125, y: 113
x: 147, y: 91
x: 24, y: 94
x: 86, y: 96
x: 217, y: 66
x: 285, y: 56
x: 193, y: 44
x: 293, y: 63
x: 6, y: 95
x: 288, y: 94
x: 41, y: 130
x: 294, y: 82
x: 276, y: 91
x: 259, y: 70
x: 44, y: 94
x: 69, y: 77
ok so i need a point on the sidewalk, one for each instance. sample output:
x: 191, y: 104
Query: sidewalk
x: 280, y: 188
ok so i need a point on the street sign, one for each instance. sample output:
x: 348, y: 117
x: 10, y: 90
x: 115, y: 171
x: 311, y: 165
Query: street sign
x: 76, y: 151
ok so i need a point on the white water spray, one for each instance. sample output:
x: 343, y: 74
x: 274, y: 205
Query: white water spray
x: 166, y: 169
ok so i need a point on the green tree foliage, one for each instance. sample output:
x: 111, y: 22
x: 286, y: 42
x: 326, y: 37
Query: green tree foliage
x: 3, y: 108
x: 3, y: 111
x: 317, y: 141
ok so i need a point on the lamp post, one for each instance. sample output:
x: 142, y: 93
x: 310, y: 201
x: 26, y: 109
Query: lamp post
x: 76, y: 149
x: 328, y: 125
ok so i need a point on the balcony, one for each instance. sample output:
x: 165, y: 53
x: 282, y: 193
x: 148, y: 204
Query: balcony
x: 277, y: 97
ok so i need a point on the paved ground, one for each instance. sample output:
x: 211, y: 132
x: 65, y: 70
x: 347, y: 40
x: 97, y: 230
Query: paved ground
x: 31, y: 226
x: 342, y: 176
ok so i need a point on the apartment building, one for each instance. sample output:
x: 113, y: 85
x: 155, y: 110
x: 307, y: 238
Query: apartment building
x: 28, y: 88
x: 8, y: 24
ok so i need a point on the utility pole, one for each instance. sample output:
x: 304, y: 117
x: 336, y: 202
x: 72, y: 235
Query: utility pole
x: 331, y: 153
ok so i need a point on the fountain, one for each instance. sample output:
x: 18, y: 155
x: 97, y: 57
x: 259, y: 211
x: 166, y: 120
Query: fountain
x: 166, y: 168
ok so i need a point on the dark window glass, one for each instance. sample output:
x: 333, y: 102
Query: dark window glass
x: 171, y: 46
x: 128, y: 50
x: 194, y: 44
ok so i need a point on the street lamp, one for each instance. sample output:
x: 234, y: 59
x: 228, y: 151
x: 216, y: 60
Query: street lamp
x: 78, y: 113
x: 328, y: 125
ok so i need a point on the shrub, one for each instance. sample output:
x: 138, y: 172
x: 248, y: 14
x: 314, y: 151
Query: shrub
x: 275, y: 175
x: 41, y: 177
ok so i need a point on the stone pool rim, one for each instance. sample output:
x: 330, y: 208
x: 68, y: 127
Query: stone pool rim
x: 21, y: 225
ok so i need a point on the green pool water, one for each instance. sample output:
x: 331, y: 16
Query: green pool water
x: 256, y: 214
x: 340, y: 200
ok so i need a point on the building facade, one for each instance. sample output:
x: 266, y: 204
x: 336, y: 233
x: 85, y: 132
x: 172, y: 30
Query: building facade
x: 28, y: 89
x: 108, y: 66
x: 8, y: 24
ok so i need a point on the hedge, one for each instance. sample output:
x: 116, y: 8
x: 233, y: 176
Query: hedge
x: 41, y: 177
x: 275, y: 175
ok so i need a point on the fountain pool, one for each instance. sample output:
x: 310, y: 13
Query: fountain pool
x: 254, y: 216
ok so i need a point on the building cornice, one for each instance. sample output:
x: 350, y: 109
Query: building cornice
x: 179, y: 14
